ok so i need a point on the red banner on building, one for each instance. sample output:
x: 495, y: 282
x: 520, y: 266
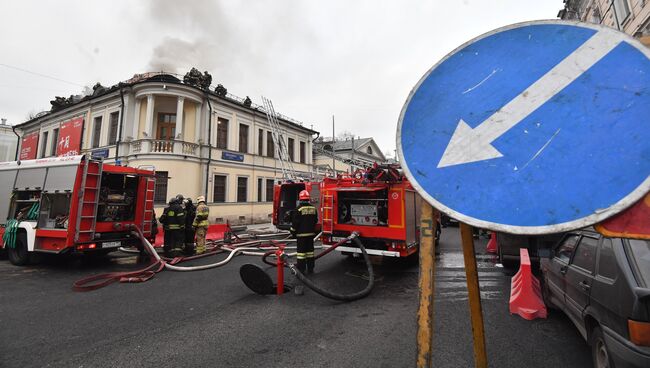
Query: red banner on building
x: 29, y: 146
x: 69, y: 143
x: 634, y: 222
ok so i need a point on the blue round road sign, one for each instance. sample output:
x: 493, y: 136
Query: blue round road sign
x: 534, y: 128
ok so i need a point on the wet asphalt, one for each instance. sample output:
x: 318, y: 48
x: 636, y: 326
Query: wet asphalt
x: 210, y: 318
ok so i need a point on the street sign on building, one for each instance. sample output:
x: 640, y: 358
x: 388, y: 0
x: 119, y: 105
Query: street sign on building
x: 534, y: 128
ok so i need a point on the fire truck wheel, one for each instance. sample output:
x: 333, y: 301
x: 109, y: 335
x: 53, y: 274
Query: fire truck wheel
x: 19, y: 255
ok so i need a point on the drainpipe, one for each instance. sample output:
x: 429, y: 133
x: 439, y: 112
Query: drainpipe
x: 207, y: 167
x: 13, y: 128
x: 119, y: 129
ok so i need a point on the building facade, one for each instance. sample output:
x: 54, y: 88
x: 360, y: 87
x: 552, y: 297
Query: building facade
x: 199, y: 142
x: 8, y: 142
x: 629, y: 16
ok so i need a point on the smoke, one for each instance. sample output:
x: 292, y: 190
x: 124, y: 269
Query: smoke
x: 227, y: 39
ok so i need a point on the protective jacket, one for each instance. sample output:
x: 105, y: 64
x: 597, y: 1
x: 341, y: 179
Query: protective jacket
x: 304, y: 221
x: 201, y: 218
x: 173, y: 217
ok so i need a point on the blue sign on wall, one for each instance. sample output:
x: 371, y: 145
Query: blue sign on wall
x: 533, y: 128
x: 232, y: 156
x: 103, y: 153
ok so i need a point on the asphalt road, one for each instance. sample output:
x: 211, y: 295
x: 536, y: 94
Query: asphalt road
x: 210, y: 318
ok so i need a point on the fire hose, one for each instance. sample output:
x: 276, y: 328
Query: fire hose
x: 324, y: 292
x: 160, y: 263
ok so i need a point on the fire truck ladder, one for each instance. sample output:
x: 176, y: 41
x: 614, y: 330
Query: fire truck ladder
x: 288, y: 171
x: 148, y: 206
x: 88, y: 200
x: 328, y: 212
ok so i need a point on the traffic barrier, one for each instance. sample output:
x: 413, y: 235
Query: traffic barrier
x: 492, y: 244
x: 526, y: 294
x: 215, y: 232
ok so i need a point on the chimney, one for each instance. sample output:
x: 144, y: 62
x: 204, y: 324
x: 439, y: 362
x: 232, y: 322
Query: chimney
x: 4, y: 121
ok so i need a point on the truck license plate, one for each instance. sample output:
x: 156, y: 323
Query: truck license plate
x: 111, y: 244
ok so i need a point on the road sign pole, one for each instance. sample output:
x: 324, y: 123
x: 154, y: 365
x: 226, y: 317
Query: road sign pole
x: 476, y: 312
x: 426, y: 285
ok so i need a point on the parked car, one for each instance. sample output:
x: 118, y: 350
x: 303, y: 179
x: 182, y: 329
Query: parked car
x: 447, y: 221
x: 603, y: 285
x: 538, y: 245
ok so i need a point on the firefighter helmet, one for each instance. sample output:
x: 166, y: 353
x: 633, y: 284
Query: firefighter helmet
x: 200, y: 199
x: 304, y: 195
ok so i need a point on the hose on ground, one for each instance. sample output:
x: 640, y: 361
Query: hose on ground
x: 336, y: 296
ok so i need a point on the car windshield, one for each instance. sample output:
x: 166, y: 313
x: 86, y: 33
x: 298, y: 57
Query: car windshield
x: 640, y: 257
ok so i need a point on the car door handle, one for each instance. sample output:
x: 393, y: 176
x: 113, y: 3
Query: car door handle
x: 584, y: 285
x: 563, y: 269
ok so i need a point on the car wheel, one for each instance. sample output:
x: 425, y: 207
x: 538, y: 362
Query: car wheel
x: 19, y: 255
x: 599, y: 352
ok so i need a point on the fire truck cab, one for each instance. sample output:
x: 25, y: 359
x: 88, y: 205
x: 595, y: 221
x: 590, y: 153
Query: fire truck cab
x: 72, y: 204
x: 285, y: 200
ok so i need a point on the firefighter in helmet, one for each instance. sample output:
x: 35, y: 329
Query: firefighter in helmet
x: 173, y: 220
x: 303, y: 227
x: 201, y: 224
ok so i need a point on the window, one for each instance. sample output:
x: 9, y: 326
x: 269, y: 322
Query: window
x: 369, y: 150
x: 166, y: 126
x: 160, y: 194
x: 269, y: 144
x: 55, y: 142
x: 243, y: 138
x: 43, y: 153
x: 269, y: 190
x: 606, y: 261
x: 97, y: 131
x: 622, y: 10
x: 222, y: 133
x: 291, y: 144
x: 113, y: 122
x: 302, y: 153
x: 640, y: 260
x: 260, y: 143
x: 585, y: 256
x: 219, y: 189
x: 564, y: 251
x: 242, y: 189
x: 260, y: 182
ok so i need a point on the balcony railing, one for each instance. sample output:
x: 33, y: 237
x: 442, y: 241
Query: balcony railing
x: 164, y: 146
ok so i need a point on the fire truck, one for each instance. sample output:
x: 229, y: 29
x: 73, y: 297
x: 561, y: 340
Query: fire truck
x: 378, y: 202
x: 72, y: 204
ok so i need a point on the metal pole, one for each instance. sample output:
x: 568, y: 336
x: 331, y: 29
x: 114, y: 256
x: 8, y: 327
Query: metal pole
x: 426, y: 285
x: 476, y: 312
x: 333, y: 159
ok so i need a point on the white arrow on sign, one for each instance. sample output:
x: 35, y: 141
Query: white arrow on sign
x: 471, y: 145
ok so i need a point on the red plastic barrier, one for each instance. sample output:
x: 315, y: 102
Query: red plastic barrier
x: 215, y: 232
x: 526, y: 294
x: 492, y: 244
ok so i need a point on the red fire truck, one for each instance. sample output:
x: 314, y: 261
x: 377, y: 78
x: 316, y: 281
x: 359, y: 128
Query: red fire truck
x: 378, y: 202
x: 72, y: 204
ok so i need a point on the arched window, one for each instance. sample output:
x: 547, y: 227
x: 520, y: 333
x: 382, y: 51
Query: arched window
x: 369, y: 150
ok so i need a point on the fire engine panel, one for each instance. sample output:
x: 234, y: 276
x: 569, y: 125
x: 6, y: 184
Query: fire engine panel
x: 72, y: 203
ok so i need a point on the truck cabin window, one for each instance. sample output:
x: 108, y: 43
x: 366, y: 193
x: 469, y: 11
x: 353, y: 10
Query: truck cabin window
x: 117, y: 197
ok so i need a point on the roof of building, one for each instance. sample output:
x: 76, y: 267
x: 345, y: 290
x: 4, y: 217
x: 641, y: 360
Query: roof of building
x: 168, y: 79
x: 346, y: 144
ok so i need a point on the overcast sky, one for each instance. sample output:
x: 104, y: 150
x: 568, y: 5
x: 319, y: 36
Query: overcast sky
x: 356, y: 60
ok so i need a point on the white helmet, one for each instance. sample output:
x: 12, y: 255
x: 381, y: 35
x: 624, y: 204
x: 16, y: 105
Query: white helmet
x: 200, y: 199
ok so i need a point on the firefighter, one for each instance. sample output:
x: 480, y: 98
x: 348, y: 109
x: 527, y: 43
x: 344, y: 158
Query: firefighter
x: 200, y: 224
x: 303, y: 227
x: 190, y: 213
x: 173, y: 220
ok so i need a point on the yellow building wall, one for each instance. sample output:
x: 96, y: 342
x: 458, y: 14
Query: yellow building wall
x: 143, y: 116
x: 189, y: 119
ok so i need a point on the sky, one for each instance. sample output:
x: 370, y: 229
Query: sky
x: 354, y: 60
